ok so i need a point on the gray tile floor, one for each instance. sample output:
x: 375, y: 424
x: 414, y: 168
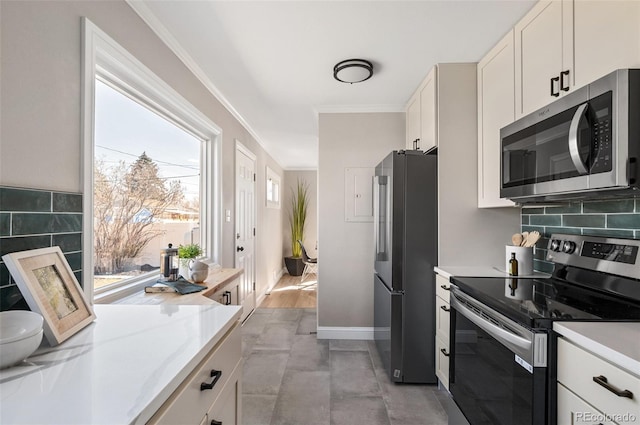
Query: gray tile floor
x: 292, y: 378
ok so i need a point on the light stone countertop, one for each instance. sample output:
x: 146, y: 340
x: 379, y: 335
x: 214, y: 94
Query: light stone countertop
x: 118, y: 370
x: 480, y: 271
x: 616, y: 342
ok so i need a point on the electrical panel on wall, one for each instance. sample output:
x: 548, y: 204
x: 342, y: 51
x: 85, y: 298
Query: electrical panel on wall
x: 358, y: 194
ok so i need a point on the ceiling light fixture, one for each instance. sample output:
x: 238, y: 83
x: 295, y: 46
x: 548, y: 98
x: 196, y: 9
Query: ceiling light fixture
x: 353, y: 71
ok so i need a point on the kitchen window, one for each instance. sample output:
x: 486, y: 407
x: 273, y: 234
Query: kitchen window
x: 151, y: 172
x: 273, y: 189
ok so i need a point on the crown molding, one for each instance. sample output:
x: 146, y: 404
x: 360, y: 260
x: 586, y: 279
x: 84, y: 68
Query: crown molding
x: 170, y: 41
x: 353, y: 109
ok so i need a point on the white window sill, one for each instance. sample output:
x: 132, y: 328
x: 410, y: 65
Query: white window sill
x: 112, y: 295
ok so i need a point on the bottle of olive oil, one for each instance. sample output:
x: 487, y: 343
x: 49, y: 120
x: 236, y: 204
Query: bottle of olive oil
x: 513, y: 265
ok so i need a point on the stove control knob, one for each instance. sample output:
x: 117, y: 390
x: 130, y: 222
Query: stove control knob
x: 568, y: 247
x: 555, y: 245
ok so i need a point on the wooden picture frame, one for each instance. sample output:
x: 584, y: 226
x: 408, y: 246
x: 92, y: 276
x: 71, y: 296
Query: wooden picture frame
x: 50, y: 288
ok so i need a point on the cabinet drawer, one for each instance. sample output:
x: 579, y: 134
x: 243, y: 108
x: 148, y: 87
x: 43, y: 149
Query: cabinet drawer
x: 442, y: 362
x: 442, y: 287
x: 229, y: 294
x: 442, y: 319
x: 577, y: 369
x: 227, y: 407
x: 572, y: 410
x: 189, y: 403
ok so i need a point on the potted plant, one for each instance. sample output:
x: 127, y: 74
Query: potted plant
x: 187, y: 253
x: 297, y: 218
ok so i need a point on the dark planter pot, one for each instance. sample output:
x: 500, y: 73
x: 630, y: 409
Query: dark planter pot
x: 295, y: 266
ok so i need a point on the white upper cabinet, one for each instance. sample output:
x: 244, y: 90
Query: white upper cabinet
x: 561, y: 45
x: 496, y: 109
x: 421, y: 115
x: 539, y: 51
x: 428, y: 112
x: 607, y: 37
x: 413, y: 121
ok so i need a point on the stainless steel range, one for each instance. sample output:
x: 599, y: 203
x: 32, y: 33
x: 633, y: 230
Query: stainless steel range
x: 502, y: 368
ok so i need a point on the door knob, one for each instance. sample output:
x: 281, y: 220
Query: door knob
x: 240, y: 248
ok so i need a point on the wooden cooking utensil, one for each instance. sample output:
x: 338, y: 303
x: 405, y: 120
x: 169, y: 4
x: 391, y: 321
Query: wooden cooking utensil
x: 516, y: 239
x: 532, y: 238
x: 525, y: 235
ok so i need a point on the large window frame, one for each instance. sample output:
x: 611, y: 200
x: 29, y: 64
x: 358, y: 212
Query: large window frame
x: 105, y: 59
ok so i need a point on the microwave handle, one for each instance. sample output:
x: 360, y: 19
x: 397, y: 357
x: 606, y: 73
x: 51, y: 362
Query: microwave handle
x: 573, y: 139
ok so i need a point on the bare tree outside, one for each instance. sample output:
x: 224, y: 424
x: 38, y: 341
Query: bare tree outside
x: 128, y: 199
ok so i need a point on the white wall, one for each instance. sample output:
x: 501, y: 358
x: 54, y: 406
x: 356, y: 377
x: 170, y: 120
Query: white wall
x: 345, y: 279
x: 40, y: 124
x: 311, y: 224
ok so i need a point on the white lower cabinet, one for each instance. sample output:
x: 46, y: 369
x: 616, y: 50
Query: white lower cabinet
x: 228, y: 294
x: 600, y: 386
x: 442, y: 329
x: 572, y: 410
x: 442, y: 362
x: 211, y: 392
x: 226, y: 409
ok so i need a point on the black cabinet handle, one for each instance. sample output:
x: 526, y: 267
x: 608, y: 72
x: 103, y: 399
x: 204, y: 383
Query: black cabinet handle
x: 214, y: 422
x: 444, y: 351
x: 227, y: 297
x: 415, y: 144
x: 215, y: 374
x: 562, y: 75
x: 445, y: 308
x: 604, y: 382
x: 445, y: 287
x: 554, y: 93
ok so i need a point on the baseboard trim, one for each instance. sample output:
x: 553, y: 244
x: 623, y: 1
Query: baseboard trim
x: 260, y: 299
x: 330, y: 332
x: 275, y: 282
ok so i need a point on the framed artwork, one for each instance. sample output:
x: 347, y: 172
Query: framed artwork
x: 50, y: 288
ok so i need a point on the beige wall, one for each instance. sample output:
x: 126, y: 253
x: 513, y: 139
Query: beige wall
x: 345, y: 286
x: 40, y: 123
x: 311, y: 224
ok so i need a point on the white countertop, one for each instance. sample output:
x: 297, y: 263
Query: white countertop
x: 118, y: 370
x: 616, y: 342
x: 480, y: 271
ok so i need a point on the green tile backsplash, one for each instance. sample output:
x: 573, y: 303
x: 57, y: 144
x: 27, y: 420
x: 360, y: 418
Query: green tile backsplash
x: 31, y: 219
x: 618, y: 218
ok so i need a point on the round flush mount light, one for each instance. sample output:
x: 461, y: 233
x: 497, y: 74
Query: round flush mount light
x: 353, y: 71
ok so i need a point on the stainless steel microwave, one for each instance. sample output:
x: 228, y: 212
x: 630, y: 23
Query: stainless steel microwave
x: 584, y: 145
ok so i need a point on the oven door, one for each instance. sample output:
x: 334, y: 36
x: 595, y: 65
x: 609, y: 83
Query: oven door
x: 497, y: 376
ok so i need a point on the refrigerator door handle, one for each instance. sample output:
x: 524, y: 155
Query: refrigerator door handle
x: 376, y: 214
x: 382, y: 235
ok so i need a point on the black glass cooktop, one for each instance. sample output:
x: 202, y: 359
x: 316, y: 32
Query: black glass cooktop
x: 536, y: 303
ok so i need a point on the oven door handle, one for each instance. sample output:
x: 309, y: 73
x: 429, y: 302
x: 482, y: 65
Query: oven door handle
x: 574, y: 150
x: 495, y: 331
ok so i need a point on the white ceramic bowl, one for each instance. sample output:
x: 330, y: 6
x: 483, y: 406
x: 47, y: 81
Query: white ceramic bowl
x: 20, y: 335
x: 16, y: 351
x: 19, y: 324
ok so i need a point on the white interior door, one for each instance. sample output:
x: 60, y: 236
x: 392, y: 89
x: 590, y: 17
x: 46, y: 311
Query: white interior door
x: 245, y: 227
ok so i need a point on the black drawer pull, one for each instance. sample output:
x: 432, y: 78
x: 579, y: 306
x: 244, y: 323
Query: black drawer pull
x: 214, y: 422
x: 445, y: 287
x: 553, y: 92
x: 444, y: 351
x: 562, y: 75
x: 445, y: 308
x: 604, y: 382
x: 215, y: 374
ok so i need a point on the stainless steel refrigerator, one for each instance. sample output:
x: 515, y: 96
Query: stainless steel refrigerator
x: 406, y: 250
